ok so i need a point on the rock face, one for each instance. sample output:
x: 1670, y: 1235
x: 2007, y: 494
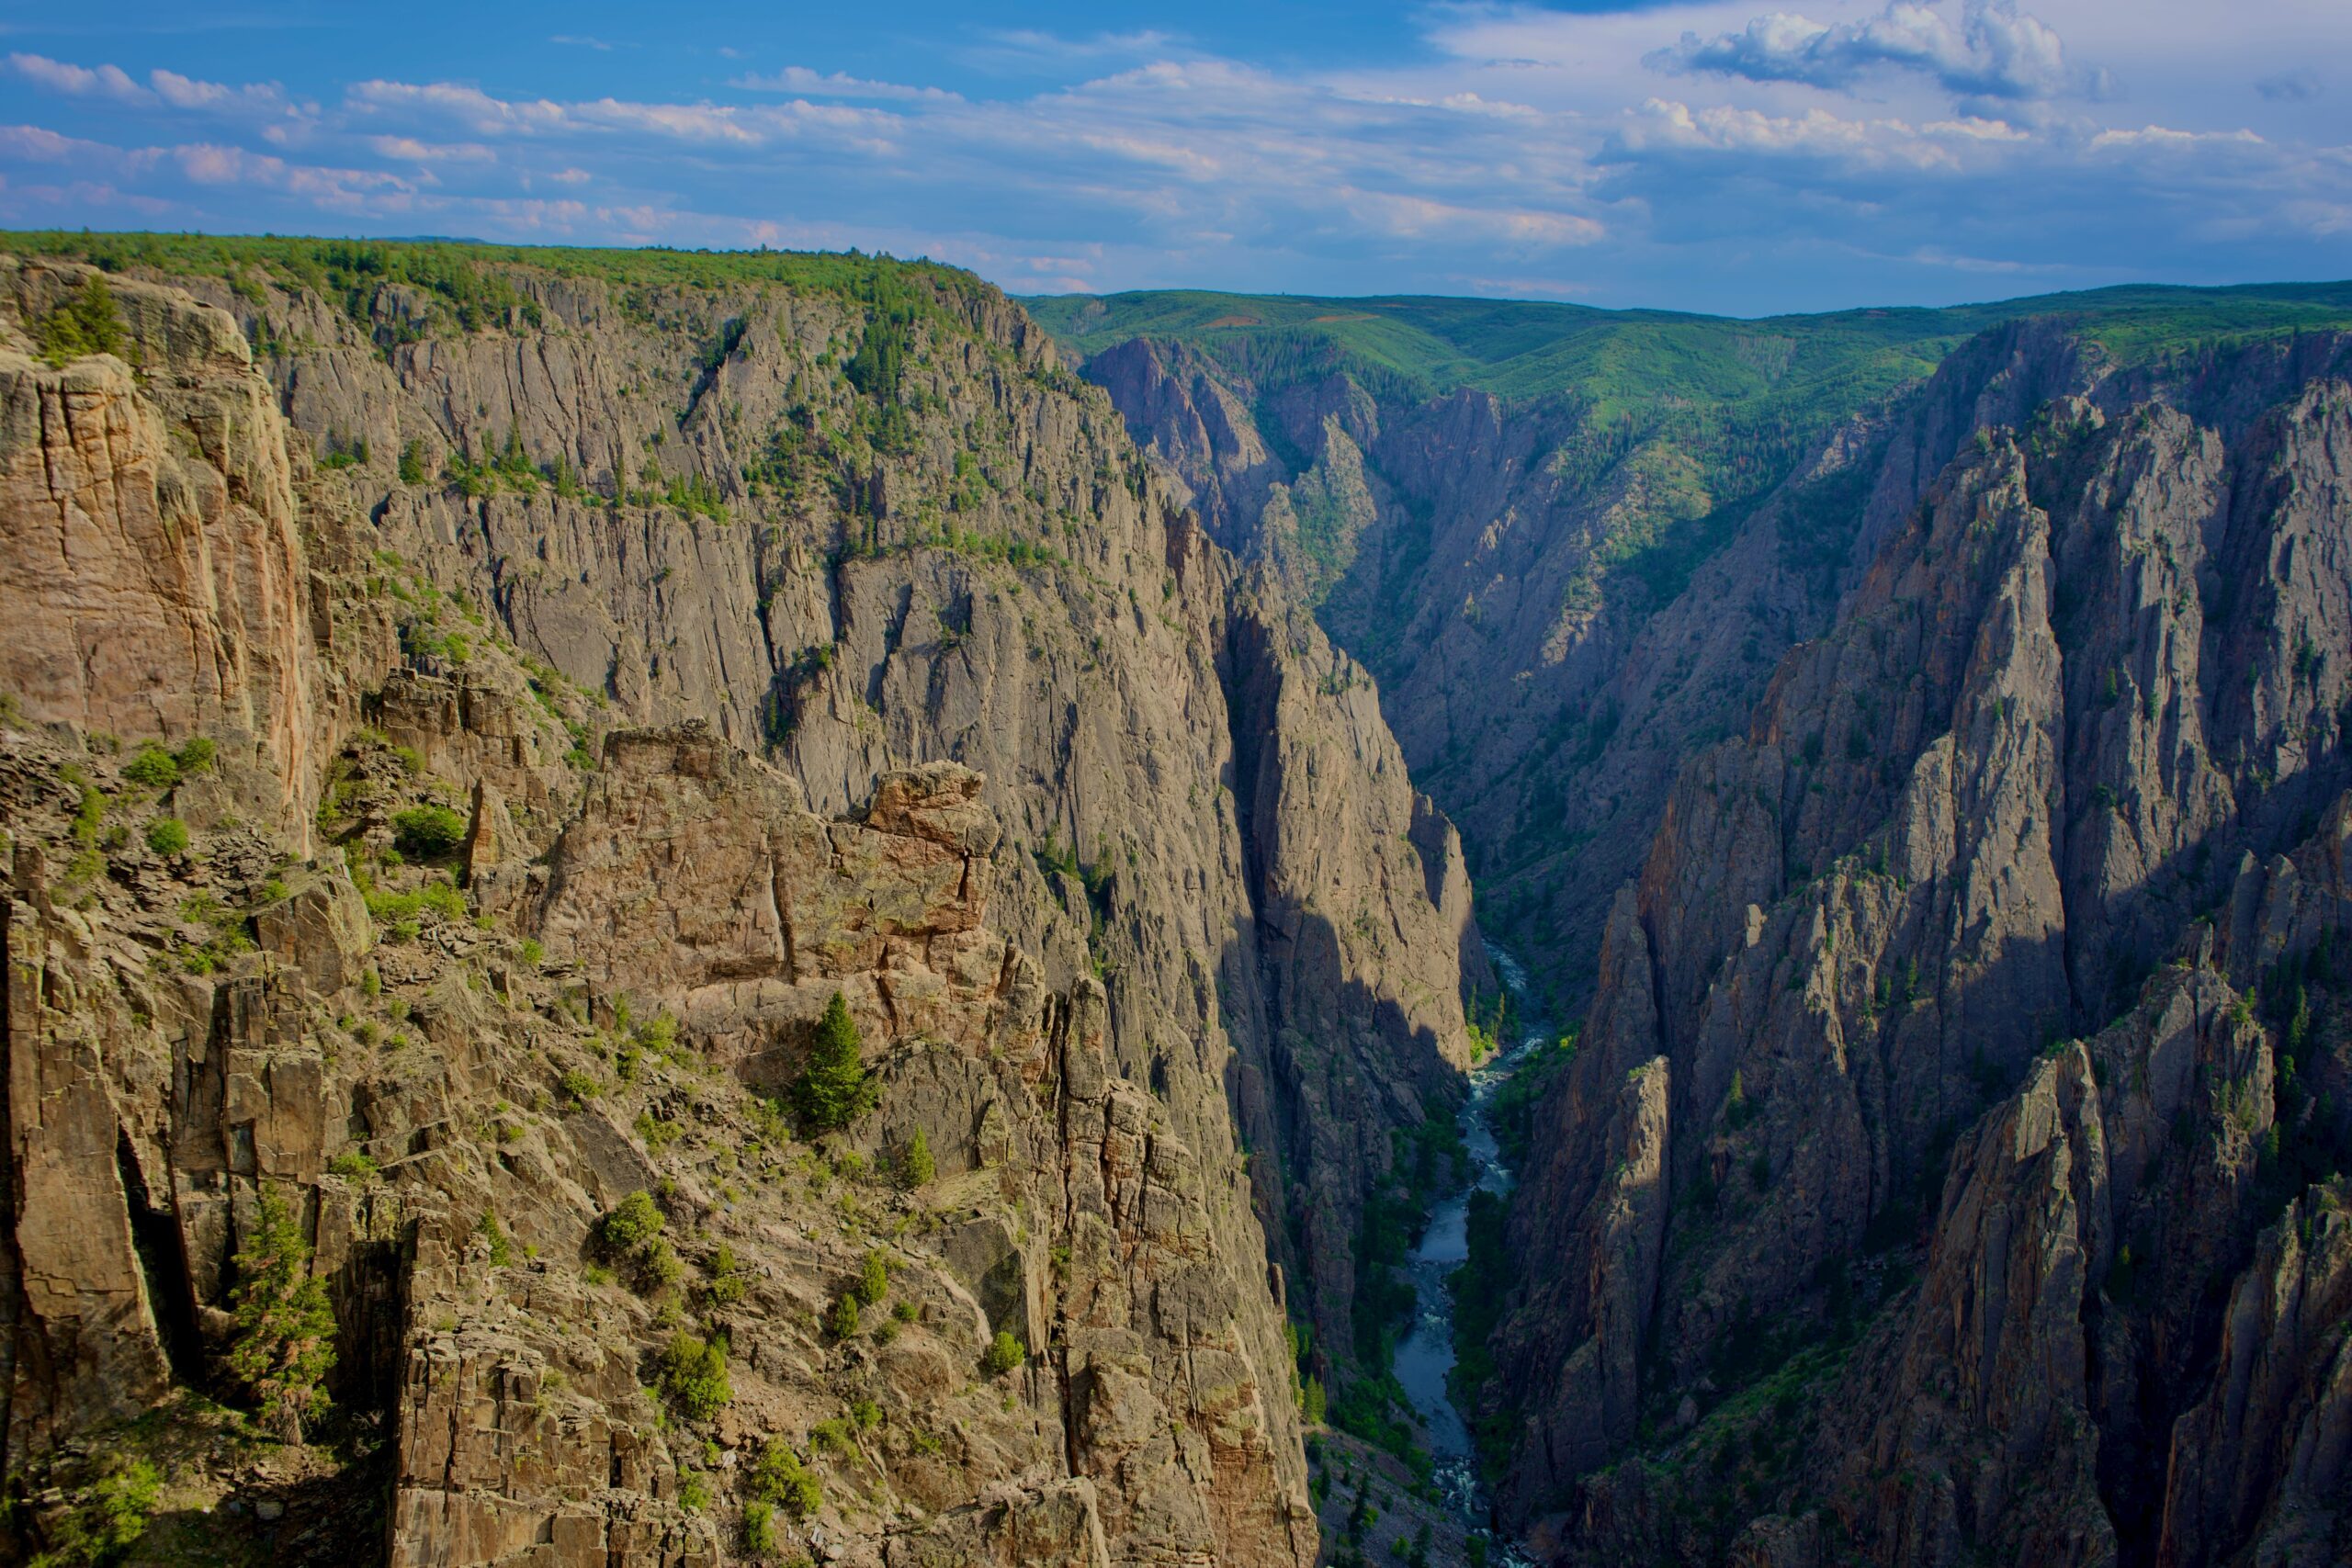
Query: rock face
x: 1474, y: 557
x: 608, y: 662
x: 153, y: 543
x: 2086, y: 693
x: 1559, y: 609
x: 746, y: 681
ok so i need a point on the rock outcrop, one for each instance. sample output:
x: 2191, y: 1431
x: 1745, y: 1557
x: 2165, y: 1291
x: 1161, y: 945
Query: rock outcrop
x: 657, y: 679
x: 155, y: 571
x: 2093, y: 669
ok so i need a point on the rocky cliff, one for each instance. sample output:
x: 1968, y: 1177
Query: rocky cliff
x: 1565, y: 592
x: 1553, y: 611
x: 772, y: 630
x: 1961, y: 1087
x: 473, y: 712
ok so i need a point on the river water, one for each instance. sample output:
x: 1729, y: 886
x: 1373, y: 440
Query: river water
x: 1426, y: 1355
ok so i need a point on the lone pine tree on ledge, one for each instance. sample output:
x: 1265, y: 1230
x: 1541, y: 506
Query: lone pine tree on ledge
x: 285, y: 1344
x: 834, y: 1089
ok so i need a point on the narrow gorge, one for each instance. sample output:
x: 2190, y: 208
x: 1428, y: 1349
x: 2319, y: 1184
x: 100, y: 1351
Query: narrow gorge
x: 673, y: 909
x: 1932, y: 805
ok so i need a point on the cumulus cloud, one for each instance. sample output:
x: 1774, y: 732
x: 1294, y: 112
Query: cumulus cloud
x: 162, y: 89
x: 1662, y: 127
x: 434, y: 109
x: 2165, y: 137
x: 1788, y: 162
x: 35, y: 143
x: 1991, y: 52
x: 409, y: 150
x: 57, y: 76
x: 469, y: 107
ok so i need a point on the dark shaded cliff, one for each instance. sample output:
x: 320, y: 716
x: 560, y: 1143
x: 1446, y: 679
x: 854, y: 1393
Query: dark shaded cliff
x: 1941, y: 1139
x: 1934, y: 1099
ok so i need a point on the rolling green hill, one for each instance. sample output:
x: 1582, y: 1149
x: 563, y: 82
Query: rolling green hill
x: 1428, y: 346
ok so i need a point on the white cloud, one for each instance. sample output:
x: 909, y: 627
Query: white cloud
x: 2166, y: 139
x: 37, y: 144
x: 1992, y: 51
x: 164, y: 88
x: 210, y: 164
x: 78, y: 81
x: 835, y: 85
x: 1663, y: 125
x: 409, y: 150
x: 1785, y: 161
x: 470, y: 107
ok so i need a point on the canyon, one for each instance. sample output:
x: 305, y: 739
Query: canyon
x: 472, y: 714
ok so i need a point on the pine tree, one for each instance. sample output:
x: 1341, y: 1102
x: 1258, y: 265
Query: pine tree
x: 916, y: 1167
x: 285, y: 1344
x: 834, y: 1089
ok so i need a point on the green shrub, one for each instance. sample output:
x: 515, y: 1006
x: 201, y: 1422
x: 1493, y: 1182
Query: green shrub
x: 106, y: 1519
x: 501, y: 1247
x: 834, y: 1089
x: 1003, y: 1354
x: 759, y: 1529
x: 658, y: 1267
x: 634, y: 1221
x: 780, y: 1480
x: 167, y: 835
x: 426, y: 831
x: 693, y: 1375
x: 351, y: 1165
x: 195, y: 755
x: 656, y: 1133
x: 581, y: 1087
x: 400, y: 910
x: 916, y: 1166
x: 727, y: 1284
x: 285, y: 1343
x: 531, y: 952
x: 834, y: 1435
x: 83, y: 323
x: 874, y: 1279
x: 154, y: 767
x: 843, y: 1321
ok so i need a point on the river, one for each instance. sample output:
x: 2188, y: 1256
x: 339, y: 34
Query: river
x: 1426, y: 1355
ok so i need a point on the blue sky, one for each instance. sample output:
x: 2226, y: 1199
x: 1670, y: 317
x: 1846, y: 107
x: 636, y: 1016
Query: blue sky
x: 1726, y: 155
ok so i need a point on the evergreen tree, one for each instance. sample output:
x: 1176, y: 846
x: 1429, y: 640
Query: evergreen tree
x: 83, y: 323
x: 916, y: 1167
x: 834, y: 1089
x: 285, y: 1344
